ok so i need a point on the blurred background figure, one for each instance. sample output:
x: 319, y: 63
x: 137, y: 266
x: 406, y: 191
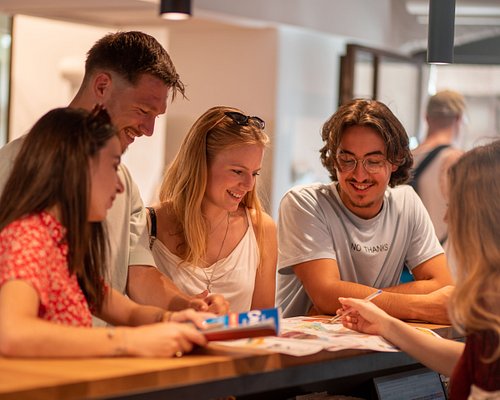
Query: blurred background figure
x: 435, y: 155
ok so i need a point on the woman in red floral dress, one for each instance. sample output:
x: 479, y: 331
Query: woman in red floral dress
x: 53, y: 250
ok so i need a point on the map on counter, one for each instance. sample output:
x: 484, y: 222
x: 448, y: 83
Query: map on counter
x: 308, y: 335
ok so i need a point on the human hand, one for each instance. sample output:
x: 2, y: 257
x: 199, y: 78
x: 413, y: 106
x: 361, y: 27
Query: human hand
x: 190, y: 315
x: 433, y: 307
x: 215, y: 303
x: 198, y: 302
x: 364, y: 316
x: 163, y: 340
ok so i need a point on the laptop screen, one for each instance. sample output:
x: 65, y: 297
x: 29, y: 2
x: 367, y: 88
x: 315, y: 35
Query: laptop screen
x: 418, y: 384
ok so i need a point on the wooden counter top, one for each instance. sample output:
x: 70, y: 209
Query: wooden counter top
x: 211, y: 372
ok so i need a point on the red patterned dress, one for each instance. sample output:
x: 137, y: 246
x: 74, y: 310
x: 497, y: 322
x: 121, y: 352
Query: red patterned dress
x: 33, y: 249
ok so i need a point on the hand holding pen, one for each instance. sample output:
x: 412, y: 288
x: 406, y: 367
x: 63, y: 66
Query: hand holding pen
x: 348, y: 311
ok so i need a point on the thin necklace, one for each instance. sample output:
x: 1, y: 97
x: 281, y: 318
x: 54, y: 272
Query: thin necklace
x: 218, y: 224
x: 210, y: 280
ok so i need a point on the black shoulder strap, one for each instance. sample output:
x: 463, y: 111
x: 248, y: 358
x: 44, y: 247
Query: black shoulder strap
x: 424, y: 163
x: 152, y: 232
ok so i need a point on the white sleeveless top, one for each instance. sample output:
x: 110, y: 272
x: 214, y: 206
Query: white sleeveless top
x: 233, y: 276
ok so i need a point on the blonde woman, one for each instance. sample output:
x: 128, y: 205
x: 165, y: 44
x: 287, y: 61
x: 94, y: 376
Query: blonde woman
x: 474, y: 227
x: 209, y: 233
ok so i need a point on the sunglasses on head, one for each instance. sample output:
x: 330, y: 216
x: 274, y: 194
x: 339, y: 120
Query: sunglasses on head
x: 244, y: 120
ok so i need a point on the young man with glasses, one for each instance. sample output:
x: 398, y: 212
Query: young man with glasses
x: 355, y: 234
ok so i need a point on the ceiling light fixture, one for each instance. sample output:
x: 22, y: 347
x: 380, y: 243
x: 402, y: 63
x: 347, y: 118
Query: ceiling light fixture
x: 441, y: 31
x: 175, y: 9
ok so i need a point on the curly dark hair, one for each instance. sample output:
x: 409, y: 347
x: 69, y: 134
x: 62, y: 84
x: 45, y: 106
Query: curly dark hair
x: 131, y: 54
x: 374, y: 115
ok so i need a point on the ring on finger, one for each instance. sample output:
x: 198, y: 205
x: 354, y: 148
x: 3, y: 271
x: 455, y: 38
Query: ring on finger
x: 178, y: 354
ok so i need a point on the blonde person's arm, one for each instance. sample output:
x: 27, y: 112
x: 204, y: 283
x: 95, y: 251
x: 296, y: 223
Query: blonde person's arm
x: 147, y: 285
x: 321, y: 280
x: 265, y: 279
x: 438, y: 354
x: 120, y: 310
x: 23, y: 334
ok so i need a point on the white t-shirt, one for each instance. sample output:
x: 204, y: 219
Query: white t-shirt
x: 314, y: 224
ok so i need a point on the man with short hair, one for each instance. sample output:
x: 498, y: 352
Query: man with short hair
x: 132, y: 75
x: 436, y: 154
x: 347, y: 237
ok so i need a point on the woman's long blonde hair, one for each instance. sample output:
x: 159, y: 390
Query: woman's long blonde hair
x: 474, y: 230
x: 185, y: 180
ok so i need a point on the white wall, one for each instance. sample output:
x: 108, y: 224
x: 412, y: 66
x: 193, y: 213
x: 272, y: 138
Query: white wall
x: 307, y: 95
x: 371, y: 22
x: 226, y: 65
x: 40, y: 47
x: 480, y: 85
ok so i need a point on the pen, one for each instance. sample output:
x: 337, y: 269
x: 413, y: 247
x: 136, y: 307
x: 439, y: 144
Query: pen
x: 367, y: 298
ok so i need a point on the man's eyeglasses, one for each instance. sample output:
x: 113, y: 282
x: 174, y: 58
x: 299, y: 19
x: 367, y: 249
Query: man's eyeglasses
x: 244, y: 120
x: 372, y: 164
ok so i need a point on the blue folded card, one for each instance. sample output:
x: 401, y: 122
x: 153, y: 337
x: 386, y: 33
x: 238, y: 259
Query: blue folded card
x: 243, y: 325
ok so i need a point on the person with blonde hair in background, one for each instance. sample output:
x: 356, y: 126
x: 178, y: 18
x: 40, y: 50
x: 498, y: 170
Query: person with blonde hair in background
x: 209, y: 233
x: 53, y: 250
x: 474, y: 228
x: 437, y: 153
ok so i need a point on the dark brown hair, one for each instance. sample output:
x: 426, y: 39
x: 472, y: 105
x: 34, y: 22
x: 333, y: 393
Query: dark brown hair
x: 52, y: 170
x: 130, y: 55
x: 374, y: 115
